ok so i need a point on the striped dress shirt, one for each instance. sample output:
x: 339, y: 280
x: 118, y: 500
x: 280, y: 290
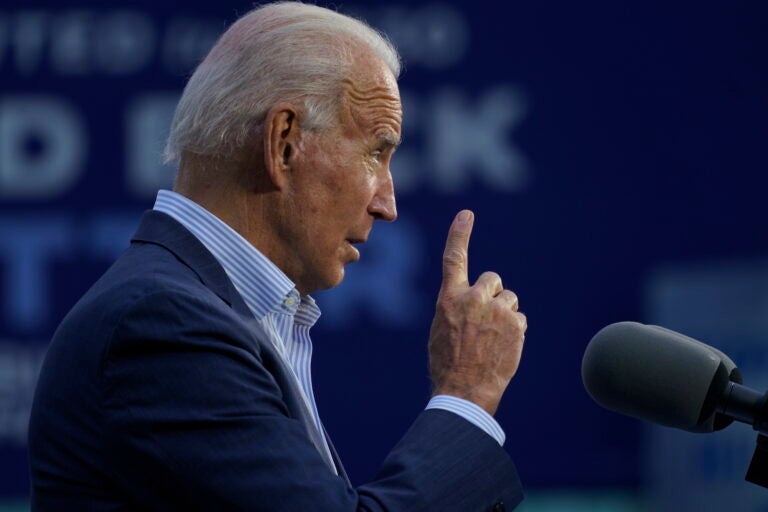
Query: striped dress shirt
x: 275, y: 302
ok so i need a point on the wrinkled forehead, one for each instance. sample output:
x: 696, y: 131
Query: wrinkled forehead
x: 373, y: 101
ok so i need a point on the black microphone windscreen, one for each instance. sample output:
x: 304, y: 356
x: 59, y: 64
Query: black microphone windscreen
x: 655, y: 374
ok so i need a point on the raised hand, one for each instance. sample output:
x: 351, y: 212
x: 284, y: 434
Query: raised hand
x: 477, y: 334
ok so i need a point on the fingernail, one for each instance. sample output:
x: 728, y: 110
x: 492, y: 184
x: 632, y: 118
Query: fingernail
x: 464, y: 217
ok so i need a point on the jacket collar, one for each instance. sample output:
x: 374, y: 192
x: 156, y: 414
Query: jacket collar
x: 163, y: 230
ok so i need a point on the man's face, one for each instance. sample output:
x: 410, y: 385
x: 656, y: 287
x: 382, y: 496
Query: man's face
x: 341, y: 181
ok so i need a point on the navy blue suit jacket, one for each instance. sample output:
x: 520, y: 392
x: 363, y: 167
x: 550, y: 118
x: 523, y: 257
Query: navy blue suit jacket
x: 160, y: 392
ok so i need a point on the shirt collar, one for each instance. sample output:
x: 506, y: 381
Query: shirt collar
x: 263, y: 286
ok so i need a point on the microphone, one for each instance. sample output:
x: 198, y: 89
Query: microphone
x: 662, y: 376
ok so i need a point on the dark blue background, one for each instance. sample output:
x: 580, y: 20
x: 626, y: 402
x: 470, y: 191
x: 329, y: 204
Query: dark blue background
x: 645, y: 137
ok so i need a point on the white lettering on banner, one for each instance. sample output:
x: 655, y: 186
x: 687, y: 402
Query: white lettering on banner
x: 42, y: 146
x: 19, y: 368
x: 450, y: 140
x: 383, y: 283
x: 70, y: 36
x: 186, y: 42
x: 109, y: 235
x: 79, y: 41
x: 127, y: 42
x: 148, y: 120
x: 446, y: 36
x: 120, y: 42
x: 434, y: 35
x: 28, y: 39
x: 391, y: 265
x: 27, y: 246
x: 467, y: 139
x: 461, y: 137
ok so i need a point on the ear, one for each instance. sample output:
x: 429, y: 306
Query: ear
x: 281, y: 134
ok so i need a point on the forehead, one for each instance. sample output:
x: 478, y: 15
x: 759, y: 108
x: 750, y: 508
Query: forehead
x: 372, y: 100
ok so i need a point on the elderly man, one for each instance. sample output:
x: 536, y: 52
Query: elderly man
x: 181, y: 380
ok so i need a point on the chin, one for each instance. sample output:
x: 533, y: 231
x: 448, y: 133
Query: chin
x: 329, y: 281
x: 338, y: 278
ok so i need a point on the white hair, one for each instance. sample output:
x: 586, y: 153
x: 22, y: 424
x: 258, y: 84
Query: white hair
x: 284, y: 51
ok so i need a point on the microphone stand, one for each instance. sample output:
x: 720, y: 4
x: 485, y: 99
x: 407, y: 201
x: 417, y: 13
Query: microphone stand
x: 757, y: 473
x: 749, y: 406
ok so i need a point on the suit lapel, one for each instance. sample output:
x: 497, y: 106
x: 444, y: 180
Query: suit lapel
x: 295, y: 399
x: 162, y: 229
x: 336, y: 459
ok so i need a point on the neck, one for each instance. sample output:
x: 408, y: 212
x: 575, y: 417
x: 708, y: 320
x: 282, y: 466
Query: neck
x: 239, y: 199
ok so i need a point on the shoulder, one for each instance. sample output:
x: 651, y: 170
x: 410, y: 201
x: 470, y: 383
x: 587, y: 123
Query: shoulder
x: 146, y: 275
x: 147, y: 270
x: 148, y: 293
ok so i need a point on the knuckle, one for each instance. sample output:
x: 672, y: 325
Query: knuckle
x: 500, y: 307
x: 522, y: 321
x: 454, y: 256
x: 443, y: 306
x: 490, y: 276
x: 509, y: 296
x: 447, y: 297
x: 498, y: 310
x: 475, y: 294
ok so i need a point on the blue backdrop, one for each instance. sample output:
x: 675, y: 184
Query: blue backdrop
x: 614, y: 154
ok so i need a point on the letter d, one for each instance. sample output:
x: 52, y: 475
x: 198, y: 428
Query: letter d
x: 42, y: 146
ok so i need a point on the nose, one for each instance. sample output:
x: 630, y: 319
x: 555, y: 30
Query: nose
x: 383, y: 205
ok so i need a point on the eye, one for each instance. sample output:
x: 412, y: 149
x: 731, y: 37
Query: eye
x: 381, y: 152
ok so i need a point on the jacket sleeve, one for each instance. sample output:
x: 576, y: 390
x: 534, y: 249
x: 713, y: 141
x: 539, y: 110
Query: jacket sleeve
x: 194, y: 420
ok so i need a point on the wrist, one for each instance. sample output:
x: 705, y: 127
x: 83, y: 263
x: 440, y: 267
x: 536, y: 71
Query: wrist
x: 485, y: 399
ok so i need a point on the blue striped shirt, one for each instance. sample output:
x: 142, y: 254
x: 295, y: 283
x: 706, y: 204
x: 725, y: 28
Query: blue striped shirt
x: 274, y: 300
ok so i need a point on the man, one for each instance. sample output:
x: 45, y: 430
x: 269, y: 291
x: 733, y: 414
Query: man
x: 181, y: 381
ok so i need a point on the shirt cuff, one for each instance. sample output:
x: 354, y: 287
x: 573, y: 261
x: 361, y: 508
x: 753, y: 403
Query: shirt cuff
x: 471, y: 412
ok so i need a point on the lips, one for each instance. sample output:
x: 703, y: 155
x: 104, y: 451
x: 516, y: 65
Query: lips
x: 352, y: 241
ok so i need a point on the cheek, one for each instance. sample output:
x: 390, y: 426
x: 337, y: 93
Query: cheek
x: 349, y: 191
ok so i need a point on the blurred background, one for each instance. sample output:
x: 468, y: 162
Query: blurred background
x: 614, y: 154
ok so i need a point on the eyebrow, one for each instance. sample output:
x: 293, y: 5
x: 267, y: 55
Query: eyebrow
x: 390, y: 140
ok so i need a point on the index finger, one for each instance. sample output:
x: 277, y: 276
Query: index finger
x: 455, y: 256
